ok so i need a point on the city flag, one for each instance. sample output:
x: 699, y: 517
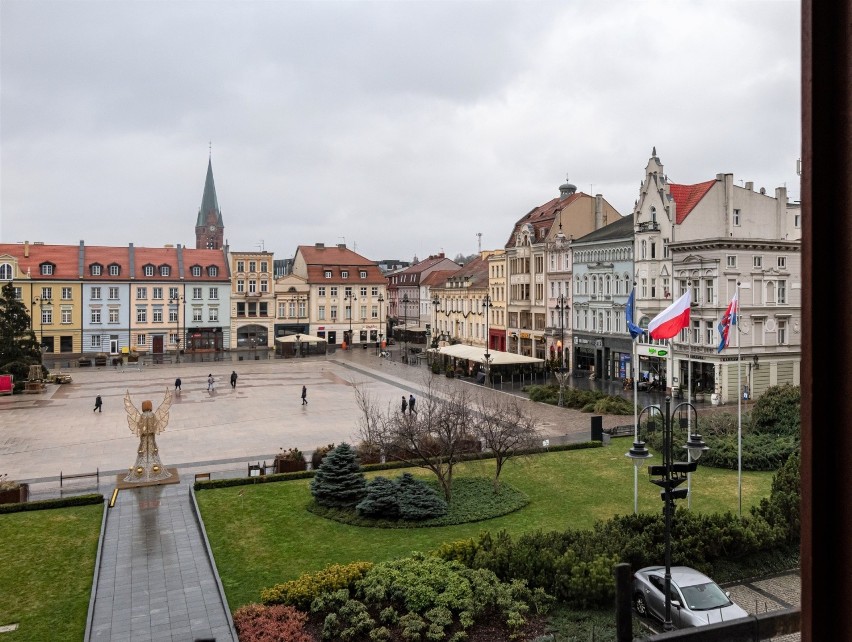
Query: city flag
x: 633, y: 315
x: 671, y: 320
x: 729, y: 319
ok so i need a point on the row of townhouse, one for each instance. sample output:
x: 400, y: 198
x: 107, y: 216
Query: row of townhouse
x: 558, y: 289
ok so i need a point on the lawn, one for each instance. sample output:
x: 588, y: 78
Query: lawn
x: 262, y: 534
x: 47, y: 562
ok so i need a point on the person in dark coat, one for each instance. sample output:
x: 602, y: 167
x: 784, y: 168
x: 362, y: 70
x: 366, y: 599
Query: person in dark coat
x: 404, y: 404
x: 304, y: 395
x: 98, y: 403
x: 233, y: 379
x: 177, y: 383
x: 411, y: 401
x: 210, y: 383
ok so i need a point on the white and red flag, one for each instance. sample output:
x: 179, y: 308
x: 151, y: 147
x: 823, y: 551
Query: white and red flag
x: 671, y: 320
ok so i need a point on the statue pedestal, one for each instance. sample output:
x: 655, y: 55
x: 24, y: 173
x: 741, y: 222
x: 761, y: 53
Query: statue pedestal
x: 123, y: 485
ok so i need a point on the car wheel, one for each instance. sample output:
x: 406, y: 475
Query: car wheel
x: 640, y: 605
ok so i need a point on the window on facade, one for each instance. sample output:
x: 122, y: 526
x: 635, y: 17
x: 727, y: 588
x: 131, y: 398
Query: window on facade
x: 782, y: 292
x: 328, y: 274
x: 141, y: 293
x: 173, y: 314
x: 333, y: 312
x: 141, y: 315
x: 165, y: 270
x: 321, y: 313
x: 46, y: 316
x: 46, y: 294
x: 665, y: 248
x: 213, y: 271
x: 96, y: 316
x: 363, y: 291
x: 264, y: 285
x: 709, y: 330
x: 333, y: 290
x: 6, y: 272
x: 157, y: 293
x: 709, y: 292
x: 374, y: 312
x: 46, y: 269
x: 149, y: 270
x: 782, y: 262
x: 213, y: 314
x: 653, y: 288
x: 95, y: 270
x: 157, y: 315
x: 173, y: 293
x: 344, y: 274
x: 797, y: 219
x: 196, y: 314
x: 252, y: 285
x: 758, y: 262
x: 643, y: 252
x: 65, y: 315
x: 736, y: 217
x: 214, y: 294
x: 263, y: 266
x: 114, y: 270
x: 113, y: 315
x: 196, y: 270
x: 321, y: 290
x: 363, y: 274
x: 695, y: 326
x: 264, y: 309
x: 782, y: 332
x: 66, y: 293
x: 731, y: 261
x: 241, y: 266
x: 653, y: 249
x: 141, y: 340
x: 252, y: 266
x: 241, y: 285
x: 196, y: 293
x: 241, y: 309
x: 96, y: 341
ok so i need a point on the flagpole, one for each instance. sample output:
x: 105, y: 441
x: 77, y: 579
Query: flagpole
x: 739, y: 409
x: 689, y: 399
x: 636, y: 428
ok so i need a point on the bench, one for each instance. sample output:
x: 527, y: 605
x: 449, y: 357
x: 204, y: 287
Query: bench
x: 202, y: 476
x: 63, y: 477
x: 620, y: 431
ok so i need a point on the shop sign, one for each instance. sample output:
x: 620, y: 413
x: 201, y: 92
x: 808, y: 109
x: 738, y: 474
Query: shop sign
x: 657, y: 352
x: 525, y: 335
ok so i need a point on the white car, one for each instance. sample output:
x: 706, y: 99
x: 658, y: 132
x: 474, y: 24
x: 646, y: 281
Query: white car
x: 695, y: 598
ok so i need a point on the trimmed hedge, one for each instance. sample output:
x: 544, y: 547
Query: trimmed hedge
x: 44, y: 504
x: 391, y: 465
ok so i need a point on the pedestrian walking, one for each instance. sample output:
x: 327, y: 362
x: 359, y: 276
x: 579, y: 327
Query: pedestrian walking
x: 177, y: 384
x: 98, y: 403
x: 304, y: 395
x: 210, y: 381
x: 233, y: 379
x: 404, y: 404
x: 411, y: 401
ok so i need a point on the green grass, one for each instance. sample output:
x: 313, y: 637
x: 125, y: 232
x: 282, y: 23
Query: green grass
x: 266, y: 535
x: 47, y: 561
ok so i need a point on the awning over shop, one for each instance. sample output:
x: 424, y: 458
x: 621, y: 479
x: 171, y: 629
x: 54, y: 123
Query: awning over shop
x: 300, y: 338
x: 474, y: 353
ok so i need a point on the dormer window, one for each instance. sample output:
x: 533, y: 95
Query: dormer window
x: 165, y: 270
x: 195, y: 270
x: 328, y: 274
x: 46, y: 269
x: 149, y: 270
x: 6, y: 272
x: 95, y: 269
x: 344, y: 274
x: 213, y: 271
x: 363, y: 274
x: 114, y: 269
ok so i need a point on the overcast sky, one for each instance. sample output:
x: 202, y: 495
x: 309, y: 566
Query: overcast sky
x: 400, y: 128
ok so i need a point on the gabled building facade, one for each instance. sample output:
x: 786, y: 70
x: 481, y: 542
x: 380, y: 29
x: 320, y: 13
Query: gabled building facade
x: 345, y: 294
x: 462, y: 314
x: 407, y: 305
x: 252, y: 300
x: 708, y: 237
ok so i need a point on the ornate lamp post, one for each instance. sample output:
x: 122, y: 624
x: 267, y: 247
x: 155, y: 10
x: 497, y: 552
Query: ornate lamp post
x: 670, y: 474
x: 381, y: 325
x: 405, y: 318
x: 176, y: 302
x: 41, y: 302
x: 486, y: 309
x: 435, y: 334
x: 561, y: 306
x: 350, y: 298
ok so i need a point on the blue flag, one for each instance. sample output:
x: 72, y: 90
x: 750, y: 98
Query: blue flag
x: 630, y: 314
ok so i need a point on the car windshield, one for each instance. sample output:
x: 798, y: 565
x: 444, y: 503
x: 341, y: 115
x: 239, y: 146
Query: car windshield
x: 703, y: 597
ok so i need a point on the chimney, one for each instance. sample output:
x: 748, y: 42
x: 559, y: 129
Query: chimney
x: 341, y: 246
x: 749, y: 186
x: 319, y: 246
x: 26, y: 249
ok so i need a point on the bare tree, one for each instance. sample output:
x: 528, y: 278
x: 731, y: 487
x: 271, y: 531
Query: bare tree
x: 433, y: 437
x: 505, y: 429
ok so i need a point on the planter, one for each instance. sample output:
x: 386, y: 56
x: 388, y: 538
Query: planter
x: 15, y: 495
x: 699, y: 396
x: 290, y: 465
x: 715, y: 399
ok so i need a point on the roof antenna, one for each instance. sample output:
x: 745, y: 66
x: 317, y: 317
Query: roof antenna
x: 479, y: 242
x: 344, y: 239
x: 260, y: 246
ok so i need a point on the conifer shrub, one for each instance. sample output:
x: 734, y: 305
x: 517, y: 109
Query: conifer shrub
x: 418, y: 500
x: 303, y: 590
x: 339, y: 481
x: 381, y: 501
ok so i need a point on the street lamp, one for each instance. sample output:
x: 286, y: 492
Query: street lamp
x: 176, y: 302
x: 670, y: 474
x: 435, y: 334
x: 561, y: 306
x: 486, y: 308
x: 350, y: 298
x: 381, y: 300
x: 41, y: 302
x: 298, y: 345
x: 405, y: 317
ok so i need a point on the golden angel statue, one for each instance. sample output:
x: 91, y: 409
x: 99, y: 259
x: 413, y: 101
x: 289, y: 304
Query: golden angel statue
x: 147, y: 424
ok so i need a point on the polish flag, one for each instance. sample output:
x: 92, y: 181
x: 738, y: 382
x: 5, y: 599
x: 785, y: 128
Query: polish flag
x: 671, y: 320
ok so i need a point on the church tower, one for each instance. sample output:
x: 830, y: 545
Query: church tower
x: 209, y: 228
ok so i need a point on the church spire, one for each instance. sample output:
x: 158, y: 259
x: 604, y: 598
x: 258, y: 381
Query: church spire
x: 209, y: 227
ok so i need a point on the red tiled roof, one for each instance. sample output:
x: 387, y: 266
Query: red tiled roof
x: 438, y: 278
x: 542, y: 216
x: 337, y: 259
x: 63, y: 257
x: 476, y: 272
x: 686, y: 197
